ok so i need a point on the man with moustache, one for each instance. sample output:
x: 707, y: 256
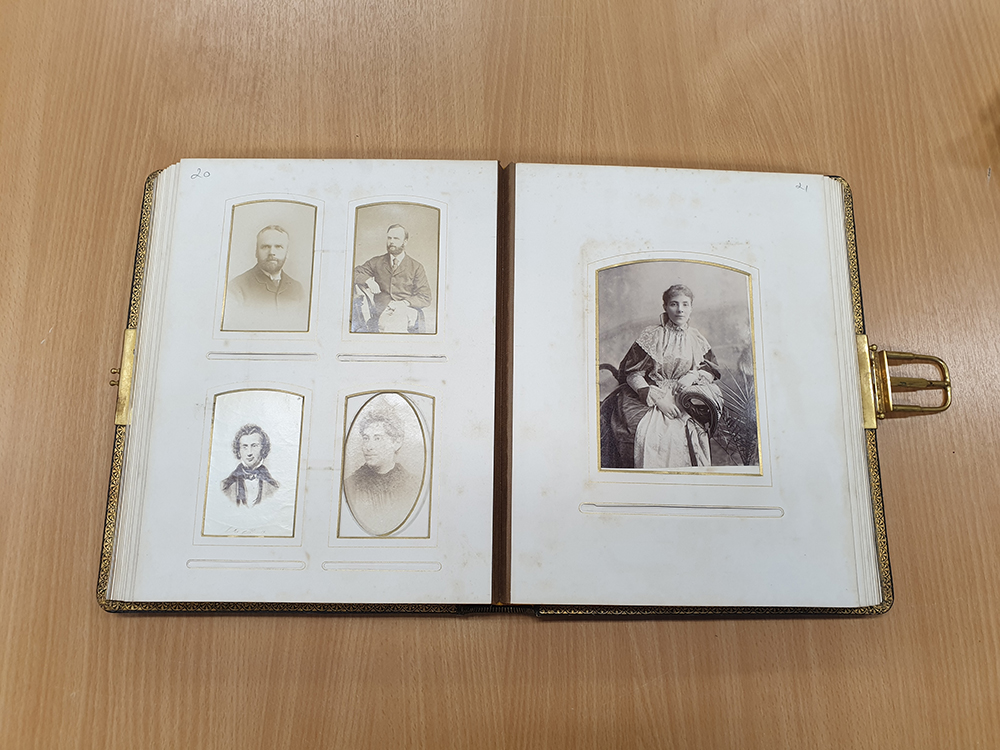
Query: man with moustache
x: 265, y: 298
x: 391, y: 290
x: 250, y: 483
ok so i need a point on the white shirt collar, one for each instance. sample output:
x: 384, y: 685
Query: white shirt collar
x: 276, y: 278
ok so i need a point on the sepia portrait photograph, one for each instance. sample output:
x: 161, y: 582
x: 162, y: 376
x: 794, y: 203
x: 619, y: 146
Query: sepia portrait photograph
x: 676, y: 370
x: 270, y: 266
x: 396, y: 258
x: 386, y: 467
x: 253, y: 464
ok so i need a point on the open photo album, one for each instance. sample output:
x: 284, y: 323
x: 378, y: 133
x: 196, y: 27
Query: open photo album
x: 447, y: 387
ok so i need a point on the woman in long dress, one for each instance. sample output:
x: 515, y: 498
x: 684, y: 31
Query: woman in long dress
x: 667, y: 403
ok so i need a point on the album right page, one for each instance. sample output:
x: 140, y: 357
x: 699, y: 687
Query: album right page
x: 686, y: 419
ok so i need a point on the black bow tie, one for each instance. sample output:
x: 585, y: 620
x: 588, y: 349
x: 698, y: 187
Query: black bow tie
x: 241, y: 474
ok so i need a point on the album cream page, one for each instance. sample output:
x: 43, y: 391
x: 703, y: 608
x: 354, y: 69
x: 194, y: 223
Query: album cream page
x: 312, y: 409
x: 686, y: 408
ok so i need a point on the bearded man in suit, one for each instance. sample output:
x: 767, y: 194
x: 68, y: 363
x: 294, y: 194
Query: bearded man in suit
x: 390, y: 290
x: 266, y: 298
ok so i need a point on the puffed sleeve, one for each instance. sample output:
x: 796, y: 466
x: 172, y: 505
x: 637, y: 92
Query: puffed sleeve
x: 633, y: 369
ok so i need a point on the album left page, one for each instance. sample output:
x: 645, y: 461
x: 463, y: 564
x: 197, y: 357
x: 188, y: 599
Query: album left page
x: 312, y: 402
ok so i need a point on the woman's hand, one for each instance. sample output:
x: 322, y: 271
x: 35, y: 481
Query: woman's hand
x: 664, y: 402
x: 662, y: 399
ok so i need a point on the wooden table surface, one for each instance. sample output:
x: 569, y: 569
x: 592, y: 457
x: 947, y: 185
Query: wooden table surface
x: 901, y: 97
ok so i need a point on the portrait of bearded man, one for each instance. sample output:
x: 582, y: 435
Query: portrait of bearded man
x: 266, y: 298
x: 391, y: 290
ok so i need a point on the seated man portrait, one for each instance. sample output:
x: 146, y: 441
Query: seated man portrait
x: 390, y: 290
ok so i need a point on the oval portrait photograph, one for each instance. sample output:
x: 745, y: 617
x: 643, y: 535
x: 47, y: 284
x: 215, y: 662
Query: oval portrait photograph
x: 385, y: 458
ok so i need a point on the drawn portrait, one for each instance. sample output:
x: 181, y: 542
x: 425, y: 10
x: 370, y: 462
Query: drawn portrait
x: 253, y: 469
x: 396, y: 259
x: 270, y: 266
x: 676, y: 370
x: 386, y: 466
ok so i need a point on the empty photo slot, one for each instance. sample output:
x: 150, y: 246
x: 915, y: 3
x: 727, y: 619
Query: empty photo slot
x: 384, y: 565
x: 271, y: 356
x: 710, y: 511
x: 392, y: 358
x: 246, y: 564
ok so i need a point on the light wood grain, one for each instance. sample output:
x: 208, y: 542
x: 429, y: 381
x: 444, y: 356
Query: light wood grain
x: 901, y: 98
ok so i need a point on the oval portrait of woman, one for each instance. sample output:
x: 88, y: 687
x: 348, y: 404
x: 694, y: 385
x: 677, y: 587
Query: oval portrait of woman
x: 384, y: 463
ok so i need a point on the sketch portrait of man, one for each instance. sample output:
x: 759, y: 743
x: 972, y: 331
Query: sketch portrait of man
x: 394, y: 288
x: 262, y: 429
x: 250, y: 483
x: 382, y: 491
x: 270, y: 267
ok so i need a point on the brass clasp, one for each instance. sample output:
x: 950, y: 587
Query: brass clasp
x: 878, y: 386
x: 886, y: 385
x: 123, y: 410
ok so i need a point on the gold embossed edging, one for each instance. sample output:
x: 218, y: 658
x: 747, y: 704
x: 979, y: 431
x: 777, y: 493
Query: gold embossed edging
x: 283, y: 607
x: 878, y: 512
x: 141, y: 245
x: 852, y: 257
x: 111, y: 516
x: 114, y: 482
x: 871, y: 446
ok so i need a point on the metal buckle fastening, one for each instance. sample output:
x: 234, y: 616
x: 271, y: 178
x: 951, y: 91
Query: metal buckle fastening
x: 886, y: 385
x: 878, y: 386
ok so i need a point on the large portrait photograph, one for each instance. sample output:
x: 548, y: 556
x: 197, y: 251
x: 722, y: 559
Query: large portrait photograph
x: 395, y: 268
x: 385, y: 488
x: 676, y: 368
x: 253, y: 465
x: 269, y: 267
